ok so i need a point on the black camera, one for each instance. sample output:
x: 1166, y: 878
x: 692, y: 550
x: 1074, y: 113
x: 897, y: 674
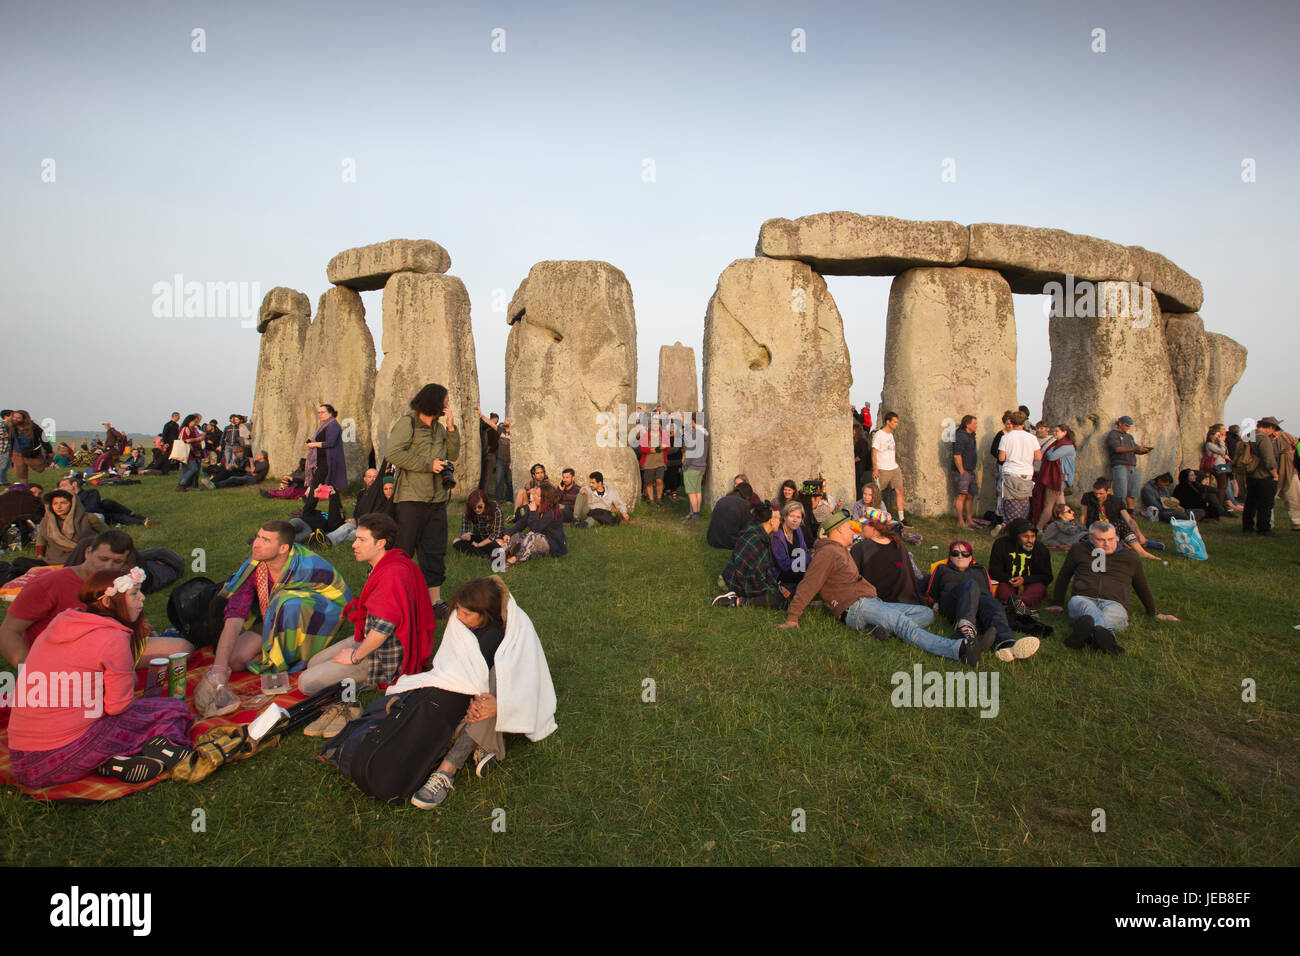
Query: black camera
x: 448, y: 475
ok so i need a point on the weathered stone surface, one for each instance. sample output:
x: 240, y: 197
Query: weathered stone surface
x: 338, y: 368
x: 1175, y: 289
x: 850, y: 244
x: 279, y: 427
x: 282, y: 301
x: 950, y: 350
x: 369, y: 267
x: 1205, y: 367
x: 571, y: 372
x: 776, y: 380
x: 1029, y: 257
x: 428, y: 337
x: 1107, y: 367
x: 677, y: 388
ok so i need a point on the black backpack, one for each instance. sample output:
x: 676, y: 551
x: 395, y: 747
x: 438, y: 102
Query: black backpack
x: 195, y: 609
x: 162, y: 568
x: 390, y: 755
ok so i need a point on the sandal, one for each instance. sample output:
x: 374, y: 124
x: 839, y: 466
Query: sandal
x: 136, y: 769
x: 165, y: 752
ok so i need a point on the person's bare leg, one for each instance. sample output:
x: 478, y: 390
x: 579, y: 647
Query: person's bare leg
x: 435, y: 594
x: 247, y: 646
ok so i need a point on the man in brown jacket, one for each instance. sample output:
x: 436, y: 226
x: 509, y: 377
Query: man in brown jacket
x: 833, y: 574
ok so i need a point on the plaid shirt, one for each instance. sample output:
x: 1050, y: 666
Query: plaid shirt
x: 751, y: 570
x: 6, y: 439
x: 385, y: 660
x: 486, y: 525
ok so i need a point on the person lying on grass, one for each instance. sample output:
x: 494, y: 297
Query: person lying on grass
x: 94, y: 723
x: 492, y: 678
x: 283, y: 605
x: 853, y: 595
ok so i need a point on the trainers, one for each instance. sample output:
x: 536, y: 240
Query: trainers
x: 971, y: 651
x: 996, y: 530
x: 1103, y: 638
x: 1080, y: 634
x: 1017, y: 606
x: 965, y: 631
x: 206, y: 482
x: 317, y: 726
x: 340, y: 720
x: 484, y: 762
x: 730, y: 599
x: 1025, y: 647
x: 435, y: 790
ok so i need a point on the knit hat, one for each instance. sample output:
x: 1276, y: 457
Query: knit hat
x: 878, y: 516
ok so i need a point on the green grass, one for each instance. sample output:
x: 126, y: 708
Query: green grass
x: 751, y: 723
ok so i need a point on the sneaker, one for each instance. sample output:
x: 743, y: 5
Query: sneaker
x: 1016, y: 606
x: 1103, y: 638
x: 484, y: 762
x: 317, y: 726
x: 971, y: 651
x: 965, y: 631
x: 1025, y: 647
x: 996, y: 530
x: 435, y: 790
x: 340, y: 720
x: 730, y: 599
x: 206, y: 482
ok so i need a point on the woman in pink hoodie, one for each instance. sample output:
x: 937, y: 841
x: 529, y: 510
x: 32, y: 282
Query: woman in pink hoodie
x: 74, y: 708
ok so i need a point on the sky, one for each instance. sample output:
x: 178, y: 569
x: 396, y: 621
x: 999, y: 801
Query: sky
x: 248, y: 143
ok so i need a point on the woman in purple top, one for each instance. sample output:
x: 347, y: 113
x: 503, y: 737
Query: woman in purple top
x: 789, y: 550
x: 326, y: 448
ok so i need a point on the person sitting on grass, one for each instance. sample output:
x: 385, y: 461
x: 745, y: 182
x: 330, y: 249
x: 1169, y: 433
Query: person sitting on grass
x: 375, y: 498
x: 538, y: 530
x: 1064, y: 529
x: 1101, y: 505
x: 68, y: 738
x: 730, y: 517
x: 537, y: 479
x: 1194, y: 496
x: 1021, y: 565
x: 1103, y: 575
x: 283, y: 605
x: 65, y: 523
x: 1154, y: 494
x: 392, y: 621
x: 963, y: 592
x: 573, y: 499
x: 751, y: 575
x: 790, y: 549
x: 480, y: 526
x: 604, y: 506
x: 855, y: 598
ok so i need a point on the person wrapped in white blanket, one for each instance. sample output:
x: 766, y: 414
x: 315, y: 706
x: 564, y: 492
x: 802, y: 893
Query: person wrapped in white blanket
x: 491, y: 652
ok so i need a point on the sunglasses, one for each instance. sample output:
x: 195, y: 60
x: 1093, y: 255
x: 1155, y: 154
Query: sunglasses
x: 959, y: 554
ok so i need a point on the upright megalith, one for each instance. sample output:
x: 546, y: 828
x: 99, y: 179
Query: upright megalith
x: 427, y: 338
x: 338, y: 367
x: 366, y: 268
x: 1205, y: 368
x: 677, y: 389
x: 776, y: 379
x: 571, y: 373
x: 849, y: 244
x: 950, y: 351
x: 279, y: 425
x: 1108, y: 366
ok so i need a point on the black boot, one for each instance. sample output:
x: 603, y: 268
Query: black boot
x: 1080, y: 634
x: 1103, y: 638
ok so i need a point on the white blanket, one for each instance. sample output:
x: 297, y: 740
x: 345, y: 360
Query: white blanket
x: 525, y: 694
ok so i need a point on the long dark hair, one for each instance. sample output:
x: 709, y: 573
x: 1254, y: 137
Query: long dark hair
x: 430, y: 400
x: 476, y: 496
x: 486, y: 597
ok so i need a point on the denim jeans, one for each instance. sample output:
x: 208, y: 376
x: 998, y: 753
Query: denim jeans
x: 1124, y: 482
x: 907, y: 622
x: 6, y: 459
x: 189, y: 472
x: 967, y: 601
x: 1108, y: 614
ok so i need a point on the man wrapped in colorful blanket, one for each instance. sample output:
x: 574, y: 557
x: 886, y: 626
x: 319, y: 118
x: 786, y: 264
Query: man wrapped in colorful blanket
x: 297, y: 598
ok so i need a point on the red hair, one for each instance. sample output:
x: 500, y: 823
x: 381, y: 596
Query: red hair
x: 93, y: 589
x: 963, y: 544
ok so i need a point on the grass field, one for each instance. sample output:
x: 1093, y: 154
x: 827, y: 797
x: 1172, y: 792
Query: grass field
x: 751, y: 725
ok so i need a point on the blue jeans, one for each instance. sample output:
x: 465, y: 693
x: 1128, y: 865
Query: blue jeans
x: 967, y: 601
x: 503, y: 489
x: 189, y: 472
x: 907, y: 622
x: 1124, y: 481
x: 1108, y: 614
x: 6, y: 459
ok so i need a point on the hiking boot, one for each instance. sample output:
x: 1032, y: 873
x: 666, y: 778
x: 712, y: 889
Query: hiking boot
x: 970, y: 651
x: 317, y: 726
x: 342, y: 715
x: 484, y: 762
x: 1103, y: 638
x: 1081, y: 634
x: 1018, y: 651
x: 435, y: 790
x: 730, y: 599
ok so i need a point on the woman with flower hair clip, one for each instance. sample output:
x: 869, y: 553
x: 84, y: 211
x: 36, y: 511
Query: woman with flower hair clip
x: 85, y: 717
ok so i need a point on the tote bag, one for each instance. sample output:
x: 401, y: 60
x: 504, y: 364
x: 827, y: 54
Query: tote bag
x: 1187, y: 539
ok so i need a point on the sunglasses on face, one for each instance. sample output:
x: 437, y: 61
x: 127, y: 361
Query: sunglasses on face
x: 959, y: 554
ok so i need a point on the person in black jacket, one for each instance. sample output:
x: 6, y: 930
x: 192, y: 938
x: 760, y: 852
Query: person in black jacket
x: 1191, y: 494
x: 730, y: 517
x: 171, y: 431
x: 114, y: 512
x: 963, y: 592
x: 1021, y: 565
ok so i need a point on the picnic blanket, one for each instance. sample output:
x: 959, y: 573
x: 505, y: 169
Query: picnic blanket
x: 94, y: 789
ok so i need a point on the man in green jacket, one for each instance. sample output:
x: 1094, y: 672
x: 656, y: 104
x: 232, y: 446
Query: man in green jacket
x: 423, y: 450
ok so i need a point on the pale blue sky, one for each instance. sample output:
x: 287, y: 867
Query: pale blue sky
x: 225, y: 166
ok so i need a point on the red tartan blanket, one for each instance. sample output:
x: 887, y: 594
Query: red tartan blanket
x: 94, y: 788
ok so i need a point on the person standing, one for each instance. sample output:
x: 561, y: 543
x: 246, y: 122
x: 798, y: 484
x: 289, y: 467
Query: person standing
x: 192, y: 434
x: 6, y: 445
x: 1263, y: 480
x: 884, y: 463
x: 171, y: 431
x: 965, y: 455
x: 490, y: 432
x: 1053, y: 477
x: 695, y: 460
x: 1124, y: 450
x: 423, y: 450
x: 1018, y: 452
x: 326, y: 451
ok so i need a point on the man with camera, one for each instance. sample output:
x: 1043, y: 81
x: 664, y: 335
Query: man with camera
x: 423, y: 451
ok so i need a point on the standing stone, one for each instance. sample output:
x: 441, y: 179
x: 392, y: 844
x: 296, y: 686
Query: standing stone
x: 1205, y: 368
x: 776, y: 380
x: 1102, y: 368
x: 338, y: 367
x: 571, y: 373
x: 427, y: 338
x: 950, y: 350
x: 369, y: 267
x: 279, y: 427
x: 677, y: 391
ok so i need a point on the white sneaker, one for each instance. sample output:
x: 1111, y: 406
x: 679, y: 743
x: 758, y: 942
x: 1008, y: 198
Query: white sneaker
x: 1025, y: 647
